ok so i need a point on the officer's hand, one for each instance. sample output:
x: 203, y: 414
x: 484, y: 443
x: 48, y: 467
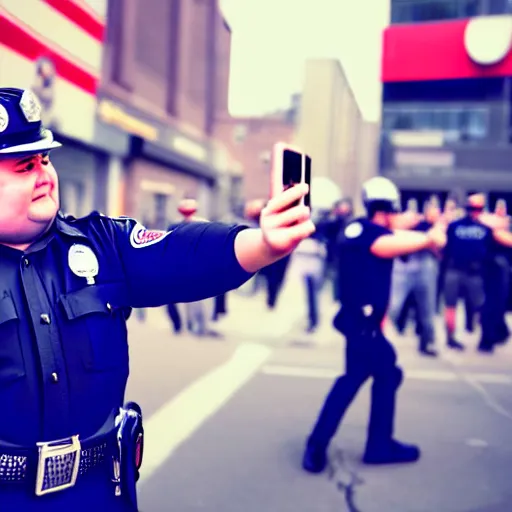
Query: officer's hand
x: 284, y: 226
x: 437, y: 235
x: 406, y: 220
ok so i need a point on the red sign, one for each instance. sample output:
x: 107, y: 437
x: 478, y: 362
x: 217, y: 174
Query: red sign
x: 446, y: 50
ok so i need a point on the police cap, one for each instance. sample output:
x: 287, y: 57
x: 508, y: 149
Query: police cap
x: 381, y: 194
x: 21, y: 130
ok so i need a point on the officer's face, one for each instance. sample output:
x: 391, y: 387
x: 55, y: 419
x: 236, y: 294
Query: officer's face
x: 29, y: 196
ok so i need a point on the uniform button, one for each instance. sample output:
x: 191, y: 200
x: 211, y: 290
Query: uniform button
x: 55, y: 377
x: 109, y: 306
x: 45, y: 319
x: 26, y: 262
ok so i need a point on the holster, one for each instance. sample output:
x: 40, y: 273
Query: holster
x: 130, y: 439
x: 353, y: 322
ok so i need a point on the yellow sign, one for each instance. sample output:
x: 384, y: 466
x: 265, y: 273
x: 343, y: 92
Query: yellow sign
x: 113, y: 114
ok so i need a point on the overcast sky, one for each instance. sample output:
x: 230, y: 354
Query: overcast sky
x: 272, y: 38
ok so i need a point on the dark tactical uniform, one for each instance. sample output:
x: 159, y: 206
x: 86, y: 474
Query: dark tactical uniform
x: 64, y: 350
x: 364, y: 285
x: 496, y: 286
x: 468, y: 251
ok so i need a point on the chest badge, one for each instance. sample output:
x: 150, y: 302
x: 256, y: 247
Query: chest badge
x: 83, y: 262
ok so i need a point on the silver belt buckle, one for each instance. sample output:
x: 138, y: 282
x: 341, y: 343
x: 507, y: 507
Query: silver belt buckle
x: 58, y: 464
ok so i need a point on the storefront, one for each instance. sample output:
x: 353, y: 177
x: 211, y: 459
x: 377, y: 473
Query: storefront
x: 163, y: 166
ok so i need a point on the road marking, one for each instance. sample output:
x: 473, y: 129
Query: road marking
x: 429, y: 375
x: 297, y: 371
x: 477, y: 443
x: 177, y: 420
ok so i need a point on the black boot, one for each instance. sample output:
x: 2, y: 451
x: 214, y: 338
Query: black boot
x: 453, y: 343
x: 391, y: 452
x: 314, y: 459
x: 428, y: 351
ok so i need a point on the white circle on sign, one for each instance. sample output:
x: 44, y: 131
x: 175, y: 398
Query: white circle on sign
x: 488, y: 39
x: 4, y: 119
x: 82, y: 261
x: 353, y: 230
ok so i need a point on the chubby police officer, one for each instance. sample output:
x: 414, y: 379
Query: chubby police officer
x: 67, y: 442
x: 368, y: 247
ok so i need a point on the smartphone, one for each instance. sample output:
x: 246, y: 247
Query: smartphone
x: 290, y: 166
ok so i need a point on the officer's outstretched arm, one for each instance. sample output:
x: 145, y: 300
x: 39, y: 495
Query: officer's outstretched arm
x: 503, y: 237
x: 405, y: 242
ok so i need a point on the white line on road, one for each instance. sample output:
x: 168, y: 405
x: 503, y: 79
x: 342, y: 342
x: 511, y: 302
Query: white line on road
x: 438, y: 376
x: 177, y: 420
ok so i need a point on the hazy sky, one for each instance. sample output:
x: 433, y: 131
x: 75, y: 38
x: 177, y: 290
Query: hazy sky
x: 272, y: 38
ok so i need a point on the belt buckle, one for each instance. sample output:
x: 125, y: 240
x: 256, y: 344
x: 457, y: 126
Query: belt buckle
x: 58, y: 464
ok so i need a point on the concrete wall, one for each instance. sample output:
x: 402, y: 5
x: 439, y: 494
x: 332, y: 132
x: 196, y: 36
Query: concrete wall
x: 329, y: 124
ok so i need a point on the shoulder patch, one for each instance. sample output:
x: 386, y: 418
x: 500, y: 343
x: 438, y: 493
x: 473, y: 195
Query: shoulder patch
x: 354, y: 230
x: 142, y: 237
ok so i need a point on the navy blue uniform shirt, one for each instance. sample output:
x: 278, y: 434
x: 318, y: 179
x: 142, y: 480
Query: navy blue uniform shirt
x: 469, y: 245
x: 364, y: 279
x: 63, y: 341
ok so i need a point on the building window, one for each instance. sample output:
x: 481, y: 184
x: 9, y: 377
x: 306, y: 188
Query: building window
x: 457, y: 124
x: 160, y: 211
x: 152, y: 35
x: 500, y: 7
x: 406, y: 11
x: 72, y: 198
x: 240, y: 133
x: 174, y: 52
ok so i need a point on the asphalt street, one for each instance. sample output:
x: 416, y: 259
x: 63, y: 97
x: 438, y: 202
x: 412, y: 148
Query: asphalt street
x: 226, y: 419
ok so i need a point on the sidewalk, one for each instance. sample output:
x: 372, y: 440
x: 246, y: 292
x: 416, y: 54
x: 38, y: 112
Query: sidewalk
x: 248, y: 318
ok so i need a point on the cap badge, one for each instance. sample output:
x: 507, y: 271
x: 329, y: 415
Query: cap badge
x: 4, y: 119
x: 30, y: 106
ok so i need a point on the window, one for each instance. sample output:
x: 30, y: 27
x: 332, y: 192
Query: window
x: 160, y: 205
x: 72, y: 197
x: 500, y: 6
x: 406, y: 11
x: 240, y: 133
x: 457, y: 124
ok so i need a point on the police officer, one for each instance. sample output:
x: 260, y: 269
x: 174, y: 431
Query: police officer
x: 366, y: 260
x: 67, y: 443
x: 468, y: 251
x: 496, y: 285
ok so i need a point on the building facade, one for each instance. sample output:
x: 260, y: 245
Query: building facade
x: 56, y: 48
x: 329, y: 123
x: 163, y: 79
x: 250, y: 141
x: 447, y: 105
x: 132, y: 90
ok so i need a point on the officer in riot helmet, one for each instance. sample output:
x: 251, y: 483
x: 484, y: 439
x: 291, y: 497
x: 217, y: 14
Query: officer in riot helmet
x: 367, y: 249
x: 67, y: 442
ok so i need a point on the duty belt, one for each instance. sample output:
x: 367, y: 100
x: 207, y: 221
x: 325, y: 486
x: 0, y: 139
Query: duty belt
x: 56, y: 465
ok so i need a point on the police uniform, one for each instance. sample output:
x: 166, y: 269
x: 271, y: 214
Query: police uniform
x: 364, y: 287
x: 468, y: 250
x: 64, y: 351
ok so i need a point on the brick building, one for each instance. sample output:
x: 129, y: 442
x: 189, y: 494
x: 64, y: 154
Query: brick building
x: 250, y: 140
x: 162, y: 81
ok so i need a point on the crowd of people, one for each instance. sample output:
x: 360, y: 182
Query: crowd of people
x: 473, y: 270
